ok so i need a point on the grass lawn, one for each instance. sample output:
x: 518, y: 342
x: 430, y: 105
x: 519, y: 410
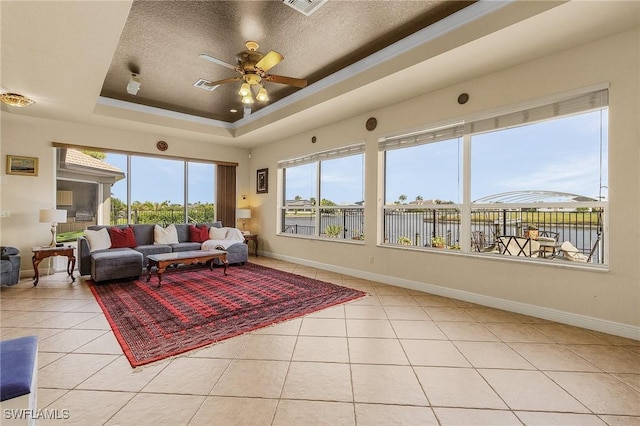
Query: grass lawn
x: 67, y: 237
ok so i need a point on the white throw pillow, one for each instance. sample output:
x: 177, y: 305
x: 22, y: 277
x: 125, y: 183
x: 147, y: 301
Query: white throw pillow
x: 217, y: 233
x: 98, y: 240
x: 234, y: 234
x: 168, y: 235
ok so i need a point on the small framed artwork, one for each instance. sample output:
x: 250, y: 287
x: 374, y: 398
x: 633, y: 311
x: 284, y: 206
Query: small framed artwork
x: 262, y: 181
x: 26, y: 166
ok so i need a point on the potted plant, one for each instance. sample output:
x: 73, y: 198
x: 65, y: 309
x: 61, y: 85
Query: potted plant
x: 438, y: 242
x: 405, y: 241
x: 531, y: 232
x: 333, y: 231
x: 357, y: 234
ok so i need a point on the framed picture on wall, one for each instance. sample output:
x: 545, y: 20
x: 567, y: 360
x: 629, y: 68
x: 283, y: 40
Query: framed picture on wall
x: 262, y: 181
x: 26, y: 166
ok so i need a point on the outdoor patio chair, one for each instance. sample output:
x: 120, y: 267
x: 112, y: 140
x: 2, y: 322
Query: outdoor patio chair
x: 518, y: 246
x: 479, y: 242
x: 572, y: 253
x: 548, y: 234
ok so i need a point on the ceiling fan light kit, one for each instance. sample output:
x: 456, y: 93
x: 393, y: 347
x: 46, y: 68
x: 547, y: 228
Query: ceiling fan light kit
x: 16, y: 100
x: 245, y: 89
x: 262, y: 95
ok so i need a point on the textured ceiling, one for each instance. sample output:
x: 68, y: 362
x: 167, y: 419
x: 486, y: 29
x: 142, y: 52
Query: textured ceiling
x: 161, y: 41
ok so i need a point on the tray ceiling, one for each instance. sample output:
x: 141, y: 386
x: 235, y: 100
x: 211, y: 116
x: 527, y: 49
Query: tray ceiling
x: 161, y: 41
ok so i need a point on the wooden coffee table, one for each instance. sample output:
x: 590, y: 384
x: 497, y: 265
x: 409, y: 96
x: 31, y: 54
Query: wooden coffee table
x: 162, y: 261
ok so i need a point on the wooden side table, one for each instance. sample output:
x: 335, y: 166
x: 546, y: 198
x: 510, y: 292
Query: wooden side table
x: 254, y: 238
x: 41, y: 253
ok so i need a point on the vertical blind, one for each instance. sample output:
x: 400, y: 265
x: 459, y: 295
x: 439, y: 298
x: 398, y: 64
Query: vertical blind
x: 329, y: 154
x: 573, y: 105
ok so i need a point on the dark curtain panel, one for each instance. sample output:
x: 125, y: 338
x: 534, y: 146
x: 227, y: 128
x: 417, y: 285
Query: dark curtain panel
x: 226, y: 195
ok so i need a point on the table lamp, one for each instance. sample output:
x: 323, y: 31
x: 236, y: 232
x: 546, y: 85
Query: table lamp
x: 243, y: 215
x: 54, y: 217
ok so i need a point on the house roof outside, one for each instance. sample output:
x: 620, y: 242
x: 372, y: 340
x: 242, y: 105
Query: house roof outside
x: 76, y: 163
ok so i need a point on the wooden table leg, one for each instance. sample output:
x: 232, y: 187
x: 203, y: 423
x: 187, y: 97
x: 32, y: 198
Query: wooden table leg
x: 226, y: 263
x: 149, y: 266
x: 71, y: 264
x: 36, y: 262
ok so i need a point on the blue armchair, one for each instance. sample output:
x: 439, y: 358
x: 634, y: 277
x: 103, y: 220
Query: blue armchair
x: 9, y: 265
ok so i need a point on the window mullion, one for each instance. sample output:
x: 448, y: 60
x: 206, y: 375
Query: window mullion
x: 318, y: 199
x: 465, y: 208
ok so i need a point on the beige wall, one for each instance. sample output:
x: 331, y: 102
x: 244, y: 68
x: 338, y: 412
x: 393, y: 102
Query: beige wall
x: 23, y: 196
x: 583, y: 296
x: 608, y: 300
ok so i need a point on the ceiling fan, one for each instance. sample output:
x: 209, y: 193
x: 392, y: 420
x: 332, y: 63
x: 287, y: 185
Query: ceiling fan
x: 252, y: 67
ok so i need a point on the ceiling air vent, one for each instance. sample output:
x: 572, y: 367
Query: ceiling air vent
x: 306, y: 7
x: 205, y: 84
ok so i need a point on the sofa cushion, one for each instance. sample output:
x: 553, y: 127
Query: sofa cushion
x: 98, y: 240
x: 143, y: 233
x: 168, y: 235
x: 5, y: 266
x: 183, y: 232
x: 116, y: 263
x: 148, y: 249
x: 187, y: 246
x: 122, y: 238
x: 198, y: 234
x: 8, y: 251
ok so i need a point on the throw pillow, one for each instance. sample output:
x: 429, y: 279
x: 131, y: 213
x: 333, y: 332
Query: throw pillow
x: 217, y: 233
x: 121, y: 238
x: 168, y: 235
x: 98, y: 240
x: 234, y: 234
x: 199, y: 234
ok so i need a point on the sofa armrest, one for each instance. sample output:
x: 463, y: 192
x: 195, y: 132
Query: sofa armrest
x: 84, y: 256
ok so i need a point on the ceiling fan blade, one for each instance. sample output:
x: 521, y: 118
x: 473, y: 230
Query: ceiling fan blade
x: 297, y: 82
x: 216, y: 61
x: 226, y: 80
x: 269, y: 61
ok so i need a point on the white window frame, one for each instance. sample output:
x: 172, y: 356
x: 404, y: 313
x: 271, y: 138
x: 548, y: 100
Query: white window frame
x: 316, y: 158
x: 573, y: 102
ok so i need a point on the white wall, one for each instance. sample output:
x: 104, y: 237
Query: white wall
x: 23, y: 196
x: 608, y: 300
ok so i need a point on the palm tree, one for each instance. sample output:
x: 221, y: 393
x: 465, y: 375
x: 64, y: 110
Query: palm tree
x: 402, y: 198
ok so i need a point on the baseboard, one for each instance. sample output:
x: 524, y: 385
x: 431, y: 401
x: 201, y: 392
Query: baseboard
x: 590, y: 323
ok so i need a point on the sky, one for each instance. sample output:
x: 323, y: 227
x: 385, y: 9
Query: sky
x: 560, y: 155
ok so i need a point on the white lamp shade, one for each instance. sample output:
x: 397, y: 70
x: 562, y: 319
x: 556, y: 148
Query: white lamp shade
x: 243, y: 213
x: 53, y: 216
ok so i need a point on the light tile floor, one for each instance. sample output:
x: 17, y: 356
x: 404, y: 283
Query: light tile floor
x: 395, y: 357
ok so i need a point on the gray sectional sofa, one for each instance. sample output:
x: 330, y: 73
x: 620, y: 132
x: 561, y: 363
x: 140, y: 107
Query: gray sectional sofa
x: 118, y: 263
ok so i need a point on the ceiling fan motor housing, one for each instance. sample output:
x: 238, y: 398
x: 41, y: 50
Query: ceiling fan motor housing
x: 248, y: 59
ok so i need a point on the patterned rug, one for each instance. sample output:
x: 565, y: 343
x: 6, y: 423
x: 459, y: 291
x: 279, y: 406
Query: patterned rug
x: 197, y: 307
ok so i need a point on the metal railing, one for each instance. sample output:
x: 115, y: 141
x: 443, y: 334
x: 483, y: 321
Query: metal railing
x: 163, y: 216
x: 442, y: 227
x: 341, y: 223
x: 422, y: 227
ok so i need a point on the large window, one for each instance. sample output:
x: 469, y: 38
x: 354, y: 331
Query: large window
x: 161, y: 190
x: 534, y: 178
x: 323, y: 194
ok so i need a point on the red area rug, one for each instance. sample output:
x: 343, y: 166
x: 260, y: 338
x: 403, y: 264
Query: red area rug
x: 197, y: 307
